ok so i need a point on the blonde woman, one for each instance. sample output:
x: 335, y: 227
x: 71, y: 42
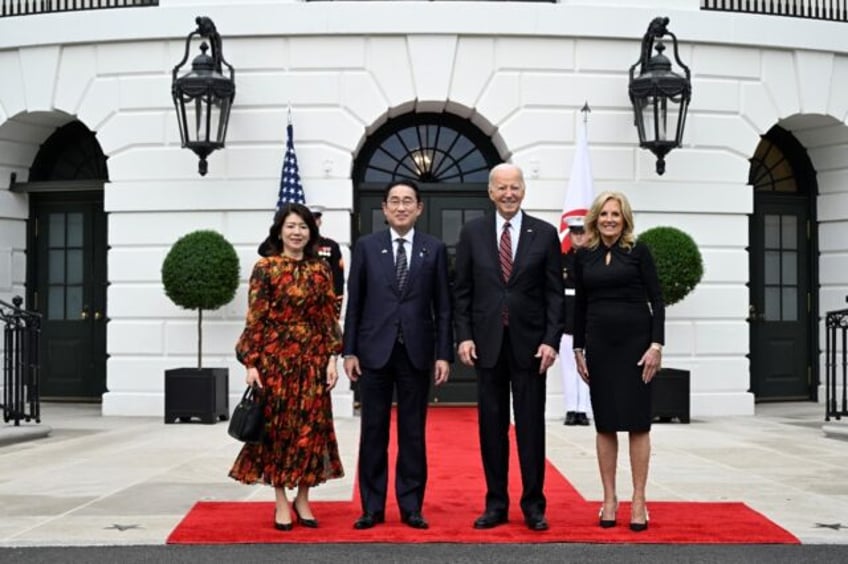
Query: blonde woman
x: 618, y: 338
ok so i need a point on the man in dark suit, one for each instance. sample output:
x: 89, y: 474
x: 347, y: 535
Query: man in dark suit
x: 509, y: 301
x: 397, y: 327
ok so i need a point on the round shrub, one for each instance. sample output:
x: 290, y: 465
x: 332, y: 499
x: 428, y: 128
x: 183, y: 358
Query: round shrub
x: 201, y: 271
x: 679, y: 263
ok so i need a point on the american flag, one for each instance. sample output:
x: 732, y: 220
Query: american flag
x: 291, y: 189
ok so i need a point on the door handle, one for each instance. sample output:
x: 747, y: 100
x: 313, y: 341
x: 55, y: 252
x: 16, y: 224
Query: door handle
x: 98, y: 316
x: 84, y: 315
x: 754, y: 315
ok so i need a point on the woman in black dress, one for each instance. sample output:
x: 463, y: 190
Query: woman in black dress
x: 618, y: 338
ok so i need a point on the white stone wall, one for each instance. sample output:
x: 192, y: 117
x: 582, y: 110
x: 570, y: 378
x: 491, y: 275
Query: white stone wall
x: 520, y: 72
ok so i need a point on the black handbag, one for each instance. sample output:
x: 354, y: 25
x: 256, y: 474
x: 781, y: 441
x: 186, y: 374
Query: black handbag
x: 247, y: 421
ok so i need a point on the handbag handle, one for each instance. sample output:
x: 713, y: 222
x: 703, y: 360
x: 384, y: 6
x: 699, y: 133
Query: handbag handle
x: 252, y: 393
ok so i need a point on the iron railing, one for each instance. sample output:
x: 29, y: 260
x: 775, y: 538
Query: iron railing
x: 836, y: 364
x: 833, y: 10
x: 20, y: 362
x: 30, y: 7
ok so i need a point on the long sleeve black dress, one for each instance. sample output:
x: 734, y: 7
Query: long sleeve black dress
x: 619, y: 312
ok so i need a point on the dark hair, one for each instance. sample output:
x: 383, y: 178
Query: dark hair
x: 273, y: 245
x: 402, y: 182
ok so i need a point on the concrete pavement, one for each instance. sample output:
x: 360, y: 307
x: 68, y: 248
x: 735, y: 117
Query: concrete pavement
x: 97, y: 480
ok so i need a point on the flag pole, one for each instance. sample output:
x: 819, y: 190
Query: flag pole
x: 586, y: 109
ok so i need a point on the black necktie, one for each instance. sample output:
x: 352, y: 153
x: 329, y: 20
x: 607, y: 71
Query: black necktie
x: 401, y: 265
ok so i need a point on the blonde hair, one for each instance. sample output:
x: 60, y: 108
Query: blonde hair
x: 590, y: 222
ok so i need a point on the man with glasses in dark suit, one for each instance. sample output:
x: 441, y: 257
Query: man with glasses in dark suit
x: 397, y: 336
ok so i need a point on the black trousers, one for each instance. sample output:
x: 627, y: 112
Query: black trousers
x: 376, y: 387
x: 528, y: 396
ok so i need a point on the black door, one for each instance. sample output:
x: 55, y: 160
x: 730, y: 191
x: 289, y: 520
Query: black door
x: 444, y: 214
x: 781, y: 299
x: 68, y: 287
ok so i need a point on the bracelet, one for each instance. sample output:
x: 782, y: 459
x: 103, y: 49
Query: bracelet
x: 578, y: 351
x: 657, y: 347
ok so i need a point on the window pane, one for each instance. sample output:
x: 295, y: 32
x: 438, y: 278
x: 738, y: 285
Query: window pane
x: 772, y: 267
x: 74, y: 259
x: 789, y: 268
x: 378, y: 220
x: 771, y: 236
x: 56, y: 302
x: 372, y: 175
x: 473, y: 214
x: 772, y: 306
x: 74, y: 302
x: 789, y: 232
x: 451, y: 224
x: 790, y: 304
x: 56, y: 230
x: 56, y: 267
x: 74, y: 230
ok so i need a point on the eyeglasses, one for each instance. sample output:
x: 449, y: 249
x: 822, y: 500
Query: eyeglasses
x: 398, y: 202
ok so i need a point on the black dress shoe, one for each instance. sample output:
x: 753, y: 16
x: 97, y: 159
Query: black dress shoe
x: 489, y: 519
x: 537, y: 523
x: 310, y: 523
x: 368, y: 520
x: 414, y: 519
x: 581, y: 418
x: 570, y: 418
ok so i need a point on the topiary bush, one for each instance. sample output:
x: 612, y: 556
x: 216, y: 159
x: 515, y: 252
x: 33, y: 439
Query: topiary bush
x: 201, y: 271
x: 680, y: 266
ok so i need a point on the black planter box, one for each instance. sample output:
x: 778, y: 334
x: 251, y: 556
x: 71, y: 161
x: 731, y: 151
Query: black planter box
x: 197, y: 393
x: 670, y: 395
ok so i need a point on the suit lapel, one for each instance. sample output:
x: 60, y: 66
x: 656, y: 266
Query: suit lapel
x: 525, y: 240
x: 387, y: 258
x: 415, y: 258
x: 491, y: 242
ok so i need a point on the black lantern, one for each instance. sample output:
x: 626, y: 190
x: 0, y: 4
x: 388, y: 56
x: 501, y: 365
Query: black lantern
x: 660, y: 97
x: 203, y: 96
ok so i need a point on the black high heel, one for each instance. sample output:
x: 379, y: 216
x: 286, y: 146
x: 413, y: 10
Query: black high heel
x: 281, y: 526
x: 608, y: 523
x: 309, y: 523
x: 639, y: 527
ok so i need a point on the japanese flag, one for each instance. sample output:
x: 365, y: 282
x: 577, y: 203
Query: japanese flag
x: 580, y: 192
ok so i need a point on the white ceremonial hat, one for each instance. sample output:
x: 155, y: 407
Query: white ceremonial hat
x: 574, y: 222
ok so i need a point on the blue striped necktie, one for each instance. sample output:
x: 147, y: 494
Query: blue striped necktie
x: 401, y: 264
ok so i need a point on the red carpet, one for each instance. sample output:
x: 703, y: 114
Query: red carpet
x: 455, y: 494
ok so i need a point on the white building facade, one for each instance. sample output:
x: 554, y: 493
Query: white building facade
x: 761, y: 182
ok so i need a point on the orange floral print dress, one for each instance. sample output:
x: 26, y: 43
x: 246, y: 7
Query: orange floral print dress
x: 290, y: 333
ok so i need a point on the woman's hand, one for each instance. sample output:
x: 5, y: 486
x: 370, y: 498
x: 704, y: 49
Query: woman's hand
x: 332, y: 373
x: 253, y: 378
x: 650, y: 362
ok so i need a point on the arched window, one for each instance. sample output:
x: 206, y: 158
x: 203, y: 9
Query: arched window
x: 70, y: 153
x: 429, y: 148
x: 779, y: 164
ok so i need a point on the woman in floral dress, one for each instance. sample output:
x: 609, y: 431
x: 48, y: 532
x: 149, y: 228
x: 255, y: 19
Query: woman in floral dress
x: 289, y: 346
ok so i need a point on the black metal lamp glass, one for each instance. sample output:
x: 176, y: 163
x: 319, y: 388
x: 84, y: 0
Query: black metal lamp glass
x: 203, y: 96
x: 660, y: 97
